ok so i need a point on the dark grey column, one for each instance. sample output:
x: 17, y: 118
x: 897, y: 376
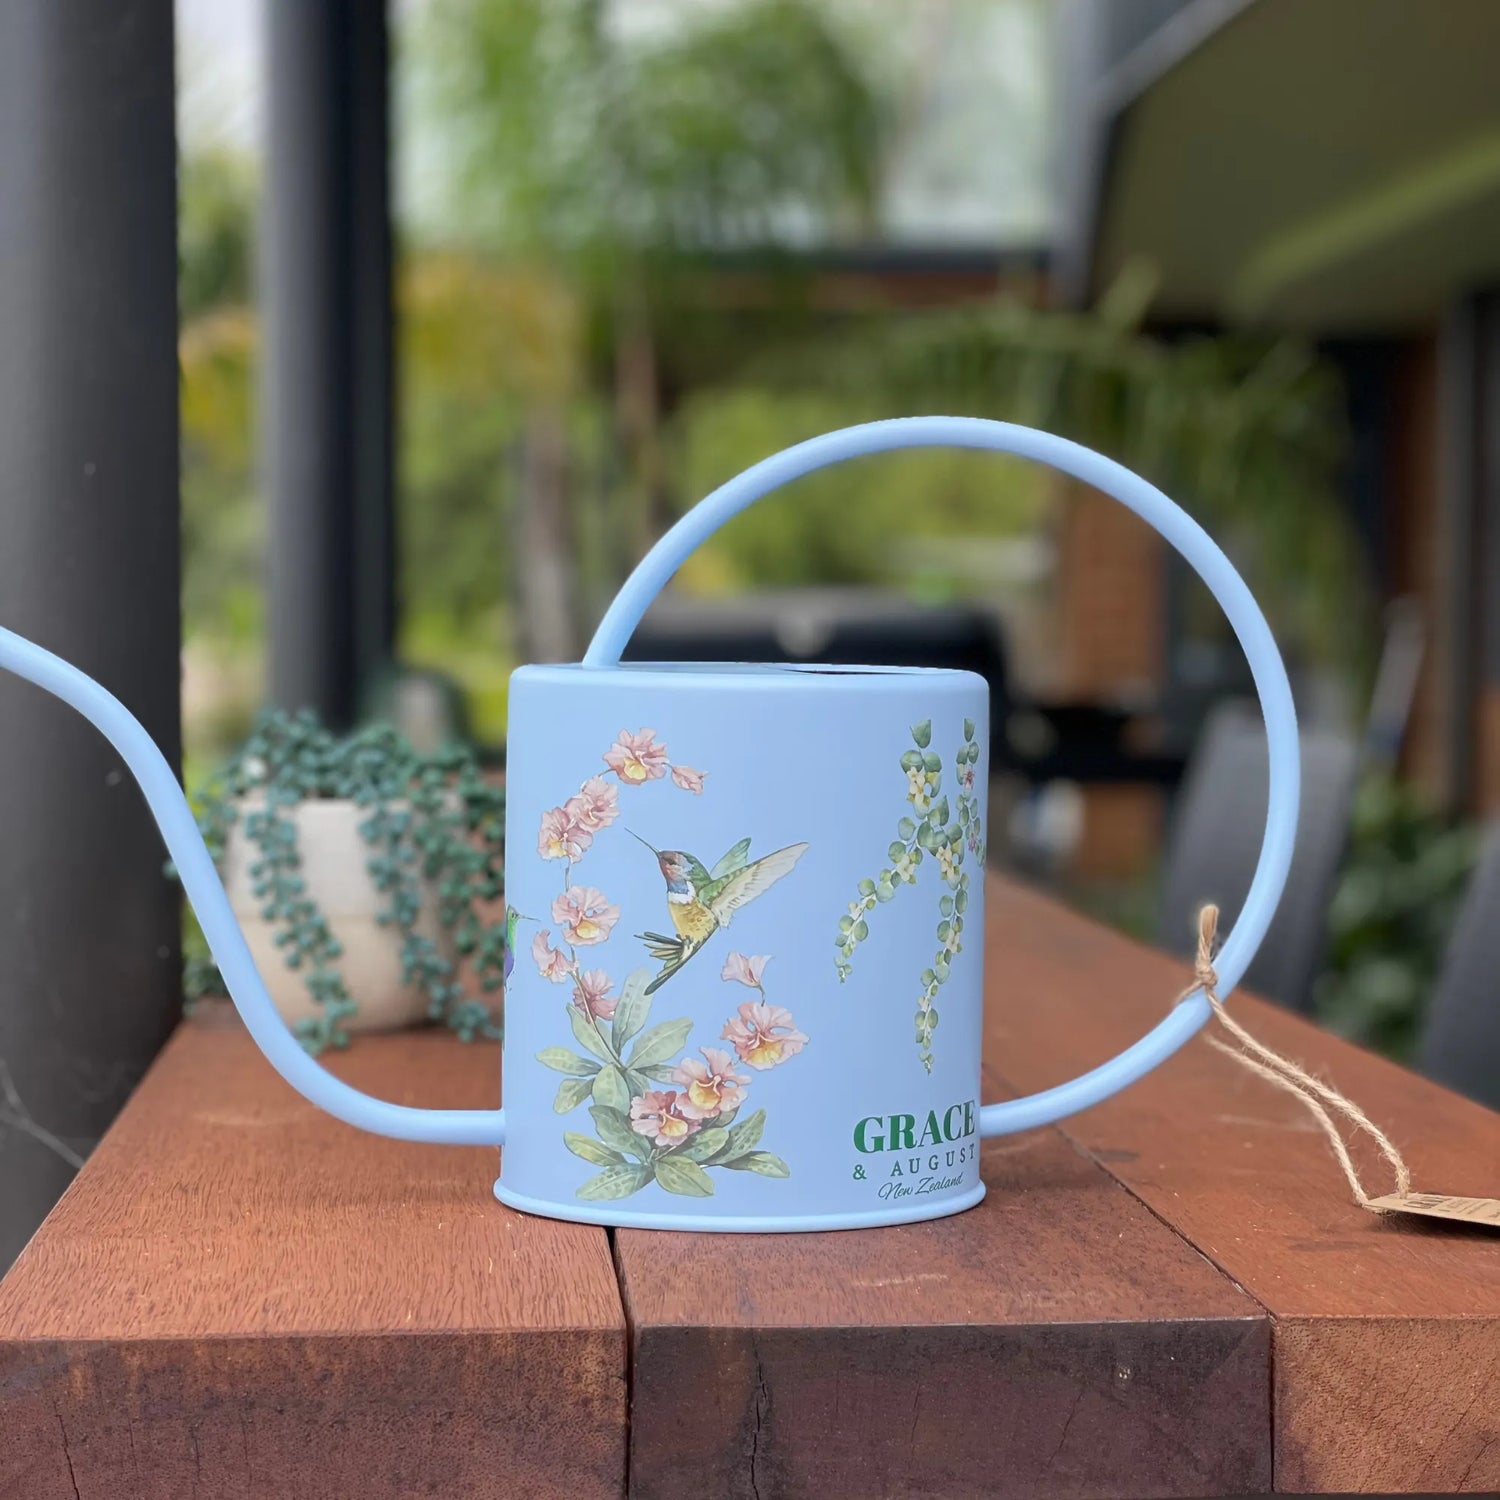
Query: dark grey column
x: 326, y: 406
x: 89, y: 963
x: 372, y: 360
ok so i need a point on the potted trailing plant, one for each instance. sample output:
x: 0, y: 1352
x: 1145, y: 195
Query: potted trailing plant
x: 367, y: 878
x: 1404, y: 876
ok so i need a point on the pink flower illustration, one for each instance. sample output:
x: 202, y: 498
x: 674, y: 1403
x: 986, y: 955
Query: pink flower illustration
x: 561, y: 836
x: 763, y: 1035
x: 552, y: 963
x: 636, y: 758
x: 688, y: 779
x: 591, y: 989
x: 584, y: 915
x: 744, y: 970
x: 596, y: 806
x: 657, y: 1114
x: 711, y: 1087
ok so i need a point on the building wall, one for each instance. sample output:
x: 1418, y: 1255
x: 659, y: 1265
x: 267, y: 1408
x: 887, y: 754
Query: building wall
x: 1111, y: 644
x: 1415, y: 552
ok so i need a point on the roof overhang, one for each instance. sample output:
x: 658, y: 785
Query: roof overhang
x: 1331, y: 165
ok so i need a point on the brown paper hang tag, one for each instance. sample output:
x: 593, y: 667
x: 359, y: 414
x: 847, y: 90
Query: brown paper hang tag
x: 1314, y: 1095
x: 1436, y: 1206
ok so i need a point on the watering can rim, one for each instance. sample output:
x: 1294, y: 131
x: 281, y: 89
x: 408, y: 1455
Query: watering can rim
x: 801, y: 676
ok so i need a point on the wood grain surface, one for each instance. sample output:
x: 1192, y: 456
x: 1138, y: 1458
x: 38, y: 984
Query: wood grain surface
x: 241, y: 1297
x: 1386, y: 1343
x: 1057, y: 1340
x: 1173, y: 1296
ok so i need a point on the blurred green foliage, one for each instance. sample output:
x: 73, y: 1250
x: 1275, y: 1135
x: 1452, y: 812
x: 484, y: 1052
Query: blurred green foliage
x: 743, y: 126
x: 1403, y: 879
x: 1248, y: 434
x: 846, y: 525
x: 598, y: 178
x: 214, y: 250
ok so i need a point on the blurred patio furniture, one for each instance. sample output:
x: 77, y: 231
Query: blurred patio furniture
x: 427, y: 706
x: 1460, y: 1043
x: 1215, y: 835
x: 1396, y: 678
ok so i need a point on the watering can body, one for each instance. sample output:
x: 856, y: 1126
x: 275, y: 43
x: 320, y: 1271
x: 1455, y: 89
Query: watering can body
x: 748, y: 977
x: 793, y: 1041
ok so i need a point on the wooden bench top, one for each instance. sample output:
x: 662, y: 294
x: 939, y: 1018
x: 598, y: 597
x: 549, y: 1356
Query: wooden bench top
x: 240, y: 1296
x: 1386, y: 1348
x: 1172, y: 1296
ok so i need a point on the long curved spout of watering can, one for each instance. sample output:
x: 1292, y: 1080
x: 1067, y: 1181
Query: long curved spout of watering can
x: 210, y: 904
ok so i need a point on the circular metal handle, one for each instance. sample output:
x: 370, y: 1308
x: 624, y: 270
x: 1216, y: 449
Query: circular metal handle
x: 655, y: 570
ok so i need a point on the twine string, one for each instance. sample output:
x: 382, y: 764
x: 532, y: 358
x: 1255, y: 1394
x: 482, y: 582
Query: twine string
x: 1316, y: 1096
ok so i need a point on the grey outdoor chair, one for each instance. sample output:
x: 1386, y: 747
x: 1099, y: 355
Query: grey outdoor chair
x: 1215, y: 838
x: 1460, y: 1043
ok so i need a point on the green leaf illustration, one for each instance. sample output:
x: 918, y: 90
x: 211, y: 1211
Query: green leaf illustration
x: 705, y: 1144
x: 656, y: 1073
x: 949, y: 832
x: 560, y: 1060
x: 686, y: 1178
x: 591, y: 1150
x: 571, y: 1092
x: 634, y: 1007
x: 726, y: 1119
x: 745, y: 1136
x: 660, y: 1043
x: 610, y: 1091
x: 588, y: 1039
x: 614, y: 1130
x: 616, y: 1182
x: 761, y: 1162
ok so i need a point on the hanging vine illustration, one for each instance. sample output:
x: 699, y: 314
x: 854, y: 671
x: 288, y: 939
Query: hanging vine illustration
x: 947, y: 833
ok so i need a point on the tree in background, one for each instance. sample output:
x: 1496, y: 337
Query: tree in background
x: 617, y: 163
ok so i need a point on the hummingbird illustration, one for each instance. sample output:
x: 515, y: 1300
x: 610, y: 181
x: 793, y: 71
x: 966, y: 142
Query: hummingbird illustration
x: 513, y: 919
x: 700, y: 901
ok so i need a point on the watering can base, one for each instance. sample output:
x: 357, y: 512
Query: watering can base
x: 613, y: 1218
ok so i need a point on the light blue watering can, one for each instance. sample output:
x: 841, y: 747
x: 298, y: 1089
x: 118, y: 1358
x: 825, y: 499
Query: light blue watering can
x: 751, y: 995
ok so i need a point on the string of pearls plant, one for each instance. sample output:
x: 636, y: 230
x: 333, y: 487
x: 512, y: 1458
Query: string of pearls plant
x: 434, y: 829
